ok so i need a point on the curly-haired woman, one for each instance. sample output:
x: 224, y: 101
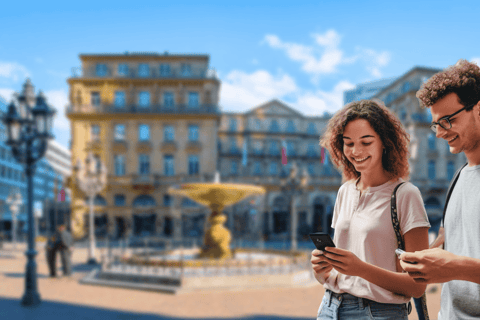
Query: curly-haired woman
x: 362, y: 276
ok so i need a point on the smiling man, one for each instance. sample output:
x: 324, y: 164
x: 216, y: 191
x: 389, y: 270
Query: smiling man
x: 453, y: 97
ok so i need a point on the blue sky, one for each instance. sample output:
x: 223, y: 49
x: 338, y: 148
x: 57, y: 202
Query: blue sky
x: 305, y: 53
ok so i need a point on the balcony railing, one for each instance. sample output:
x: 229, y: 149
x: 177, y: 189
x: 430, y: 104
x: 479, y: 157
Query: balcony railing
x: 154, y: 109
x: 154, y: 73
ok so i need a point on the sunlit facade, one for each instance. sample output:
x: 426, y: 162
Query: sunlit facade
x: 153, y: 120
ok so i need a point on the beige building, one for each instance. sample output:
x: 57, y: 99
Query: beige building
x: 250, y: 152
x: 152, y: 119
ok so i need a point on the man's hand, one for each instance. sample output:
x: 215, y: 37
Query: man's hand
x: 432, y: 265
x: 320, y: 266
x: 344, y: 261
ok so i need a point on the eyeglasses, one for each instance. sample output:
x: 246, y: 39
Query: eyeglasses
x: 445, y: 121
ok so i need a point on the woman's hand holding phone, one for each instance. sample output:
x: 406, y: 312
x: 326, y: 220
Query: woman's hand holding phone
x: 320, y: 265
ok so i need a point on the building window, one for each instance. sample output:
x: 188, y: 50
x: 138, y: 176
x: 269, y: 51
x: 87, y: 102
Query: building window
x: 450, y: 170
x: 143, y: 132
x: 274, y: 128
x: 431, y: 169
x: 144, y: 99
x: 431, y: 141
x: 98, y: 163
x: 257, y: 168
x: 101, y: 70
x: 291, y: 149
x: 257, y: 124
x: 169, y: 133
x: 193, y: 133
x: 290, y: 127
x: 168, y: 100
x: 95, y: 132
x: 273, y: 169
x: 143, y: 164
x: 193, y: 164
x: 233, y: 124
x: 169, y: 165
x: 123, y: 69
x: 167, y: 200
x: 95, y: 98
x: 186, y: 70
x: 119, y: 99
x: 119, y: 132
x: 234, y: 168
x: 273, y: 149
x: 119, y: 200
x: 193, y: 99
x: 164, y: 70
x: 143, y: 70
x: 311, y: 128
x: 311, y: 152
x: 405, y: 87
x: 403, y: 114
x: 119, y: 165
x: 233, y: 145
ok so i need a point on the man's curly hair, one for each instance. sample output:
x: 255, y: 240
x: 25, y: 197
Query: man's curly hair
x: 389, y: 128
x: 463, y: 79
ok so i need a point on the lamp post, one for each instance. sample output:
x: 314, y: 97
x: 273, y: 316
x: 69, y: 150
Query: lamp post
x: 92, y: 178
x: 293, y: 185
x: 14, y: 201
x: 28, y: 132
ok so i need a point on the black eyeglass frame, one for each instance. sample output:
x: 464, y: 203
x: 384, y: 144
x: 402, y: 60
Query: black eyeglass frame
x: 434, y: 124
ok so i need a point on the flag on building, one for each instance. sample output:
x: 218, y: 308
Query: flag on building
x: 61, y: 196
x: 322, y: 155
x: 284, y: 152
x: 244, y: 153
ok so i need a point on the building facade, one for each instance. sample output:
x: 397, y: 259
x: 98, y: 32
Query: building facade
x: 153, y: 120
x: 50, y: 174
x: 432, y: 166
x: 250, y: 152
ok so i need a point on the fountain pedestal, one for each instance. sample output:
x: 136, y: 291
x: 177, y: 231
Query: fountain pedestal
x: 216, y: 243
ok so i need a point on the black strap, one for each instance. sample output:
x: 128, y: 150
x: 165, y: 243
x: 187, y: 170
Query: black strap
x: 401, y: 245
x: 450, y: 189
x: 396, y: 224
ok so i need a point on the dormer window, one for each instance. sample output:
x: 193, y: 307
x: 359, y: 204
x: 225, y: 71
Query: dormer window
x: 186, y: 70
x: 101, y: 70
x: 123, y: 69
x: 164, y: 70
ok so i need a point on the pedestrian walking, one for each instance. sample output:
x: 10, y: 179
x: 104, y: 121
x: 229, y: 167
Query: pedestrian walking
x: 64, y: 244
x: 453, y: 97
x: 51, y: 255
x: 362, y: 275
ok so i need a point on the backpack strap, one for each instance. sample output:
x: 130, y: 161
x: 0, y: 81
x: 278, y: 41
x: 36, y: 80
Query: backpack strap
x: 450, y: 189
x: 396, y: 224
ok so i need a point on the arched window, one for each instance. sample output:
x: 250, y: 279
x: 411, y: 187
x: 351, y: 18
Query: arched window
x: 431, y: 141
x: 431, y: 169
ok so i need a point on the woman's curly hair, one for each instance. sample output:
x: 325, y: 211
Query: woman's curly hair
x: 463, y: 79
x: 391, y: 131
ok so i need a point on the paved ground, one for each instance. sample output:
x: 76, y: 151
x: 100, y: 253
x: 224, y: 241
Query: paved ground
x: 65, y: 298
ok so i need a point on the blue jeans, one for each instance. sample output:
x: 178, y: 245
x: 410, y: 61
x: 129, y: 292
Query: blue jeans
x: 346, y: 306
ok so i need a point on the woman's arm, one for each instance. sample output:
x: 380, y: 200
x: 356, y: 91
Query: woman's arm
x: 415, y: 240
x: 348, y: 263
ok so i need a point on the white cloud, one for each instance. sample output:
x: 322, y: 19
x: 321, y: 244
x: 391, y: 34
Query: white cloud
x: 324, y: 56
x: 476, y: 60
x: 13, y: 71
x: 315, y: 103
x: 7, y: 94
x: 59, y: 100
x: 241, y: 91
x: 38, y: 60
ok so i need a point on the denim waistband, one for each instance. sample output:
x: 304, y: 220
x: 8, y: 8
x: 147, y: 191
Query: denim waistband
x: 347, y: 298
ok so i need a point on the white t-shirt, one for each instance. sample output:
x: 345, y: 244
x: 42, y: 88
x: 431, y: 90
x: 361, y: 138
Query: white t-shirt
x: 363, y: 225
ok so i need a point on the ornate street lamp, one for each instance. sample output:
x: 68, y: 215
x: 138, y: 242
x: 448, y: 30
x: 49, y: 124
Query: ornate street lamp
x: 28, y: 131
x: 14, y: 202
x: 92, y: 178
x: 291, y: 186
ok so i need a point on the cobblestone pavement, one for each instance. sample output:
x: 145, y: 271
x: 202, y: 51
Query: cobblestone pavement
x: 66, y: 298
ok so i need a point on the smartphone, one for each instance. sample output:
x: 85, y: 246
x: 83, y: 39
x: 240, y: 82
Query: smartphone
x: 321, y: 240
x: 399, y: 251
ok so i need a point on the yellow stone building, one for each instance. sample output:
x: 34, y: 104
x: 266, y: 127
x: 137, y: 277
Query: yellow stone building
x: 152, y: 119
